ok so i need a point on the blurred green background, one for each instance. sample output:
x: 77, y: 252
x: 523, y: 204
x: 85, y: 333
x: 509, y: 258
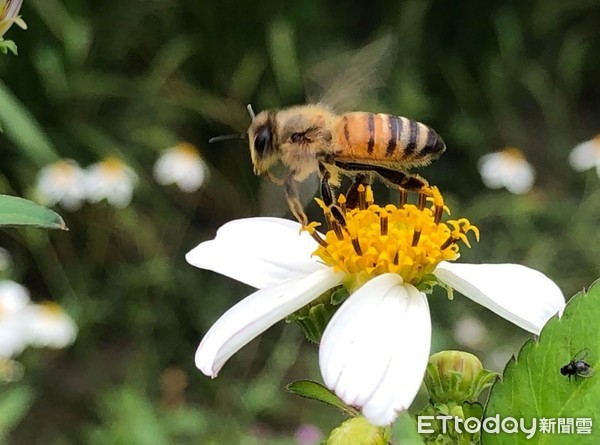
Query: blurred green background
x: 131, y: 78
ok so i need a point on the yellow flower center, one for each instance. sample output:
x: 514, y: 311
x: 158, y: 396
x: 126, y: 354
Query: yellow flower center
x: 63, y: 173
x: 187, y: 150
x: 409, y: 239
x: 113, y: 168
x: 513, y: 153
x: 51, y: 309
x: 596, y: 142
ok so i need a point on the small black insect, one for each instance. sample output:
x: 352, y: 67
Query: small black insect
x: 578, y: 367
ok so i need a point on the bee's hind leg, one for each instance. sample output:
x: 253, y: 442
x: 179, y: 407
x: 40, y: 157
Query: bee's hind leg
x: 395, y: 177
x: 293, y: 198
x: 327, y: 194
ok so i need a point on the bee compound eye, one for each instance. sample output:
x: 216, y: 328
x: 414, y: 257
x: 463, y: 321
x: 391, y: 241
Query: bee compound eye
x: 262, y: 141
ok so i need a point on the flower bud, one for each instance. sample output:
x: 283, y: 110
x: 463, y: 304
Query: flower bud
x: 456, y: 376
x: 358, y: 431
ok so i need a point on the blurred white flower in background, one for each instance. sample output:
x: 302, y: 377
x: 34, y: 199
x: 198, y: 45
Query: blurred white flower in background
x: 181, y: 165
x: 47, y: 325
x: 23, y: 323
x: 61, y: 182
x: 13, y: 299
x: 9, y: 10
x: 470, y: 332
x: 507, y: 168
x: 110, y: 179
x: 586, y: 155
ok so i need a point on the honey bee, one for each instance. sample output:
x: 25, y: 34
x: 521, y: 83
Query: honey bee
x: 312, y: 138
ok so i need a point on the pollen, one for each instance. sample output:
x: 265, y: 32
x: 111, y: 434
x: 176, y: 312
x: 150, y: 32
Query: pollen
x: 112, y: 167
x: 409, y: 239
x: 51, y: 308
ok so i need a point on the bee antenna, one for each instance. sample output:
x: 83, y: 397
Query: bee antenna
x: 251, y: 111
x: 226, y: 137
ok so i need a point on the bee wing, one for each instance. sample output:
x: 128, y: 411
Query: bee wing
x: 581, y: 355
x: 346, y: 80
x: 587, y: 372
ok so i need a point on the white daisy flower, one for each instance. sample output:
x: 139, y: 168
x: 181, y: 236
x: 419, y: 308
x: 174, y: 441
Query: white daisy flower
x: 9, y: 10
x: 110, y: 179
x: 13, y: 299
x: 183, y: 166
x: 61, y: 182
x: 47, y: 325
x: 375, y: 349
x: 507, y: 168
x: 586, y: 155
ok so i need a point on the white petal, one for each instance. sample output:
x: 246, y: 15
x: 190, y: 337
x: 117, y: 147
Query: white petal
x: 12, y: 337
x: 521, y: 179
x: 13, y: 297
x: 260, y: 252
x: 491, y: 170
x: 584, y: 156
x: 375, y: 349
x: 522, y: 295
x: 255, y: 314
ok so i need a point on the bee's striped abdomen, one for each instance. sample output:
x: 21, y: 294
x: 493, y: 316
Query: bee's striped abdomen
x: 385, y: 138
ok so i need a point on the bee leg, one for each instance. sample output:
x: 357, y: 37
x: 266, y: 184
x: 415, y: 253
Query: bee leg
x: 327, y: 194
x: 402, y: 180
x: 352, y: 199
x: 396, y: 177
x: 293, y: 199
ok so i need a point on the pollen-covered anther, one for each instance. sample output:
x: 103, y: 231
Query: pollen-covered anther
x: 342, y: 202
x: 409, y: 241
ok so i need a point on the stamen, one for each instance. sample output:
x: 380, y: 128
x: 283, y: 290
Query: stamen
x: 451, y: 240
x: 437, y: 214
x: 356, y: 246
x: 342, y: 202
x: 337, y: 228
x: 370, y: 198
x: 319, y: 240
x: 383, y: 225
x: 422, y: 199
x: 416, y: 237
x: 329, y: 219
x: 402, y: 198
x: 362, y: 197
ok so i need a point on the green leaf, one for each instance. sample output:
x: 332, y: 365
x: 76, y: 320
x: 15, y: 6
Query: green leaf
x: 533, y: 386
x: 314, y: 390
x: 20, y: 125
x: 16, y: 211
x: 14, y: 404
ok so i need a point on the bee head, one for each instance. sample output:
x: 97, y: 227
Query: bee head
x: 261, y: 137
